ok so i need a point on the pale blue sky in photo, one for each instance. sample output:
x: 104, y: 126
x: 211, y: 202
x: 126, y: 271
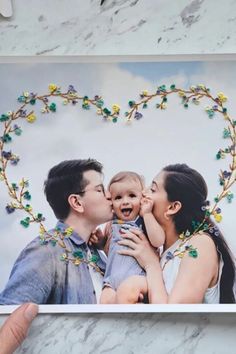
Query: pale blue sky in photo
x: 161, y: 137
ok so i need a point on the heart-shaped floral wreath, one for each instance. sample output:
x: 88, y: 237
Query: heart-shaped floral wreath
x: 19, y: 192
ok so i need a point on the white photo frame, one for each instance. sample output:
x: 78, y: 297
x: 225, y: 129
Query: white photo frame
x: 118, y: 80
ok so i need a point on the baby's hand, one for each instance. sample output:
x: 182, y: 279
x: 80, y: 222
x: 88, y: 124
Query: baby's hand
x: 96, y: 238
x: 146, y: 205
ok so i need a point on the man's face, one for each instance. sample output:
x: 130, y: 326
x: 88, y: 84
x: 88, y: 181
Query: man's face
x: 96, y: 201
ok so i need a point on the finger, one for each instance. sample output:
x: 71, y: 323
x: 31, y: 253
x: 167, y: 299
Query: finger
x: 15, y: 329
x: 94, y: 239
x: 125, y: 252
x: 99, y: 232
x: 128, y: 243
x: 130, y: 236
x: 139, y: 233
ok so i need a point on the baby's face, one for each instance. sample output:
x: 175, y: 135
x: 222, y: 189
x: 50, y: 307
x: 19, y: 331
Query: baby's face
x: 126, y: 197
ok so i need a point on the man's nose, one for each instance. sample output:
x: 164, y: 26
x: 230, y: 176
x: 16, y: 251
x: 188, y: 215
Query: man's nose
x: 108, y: 195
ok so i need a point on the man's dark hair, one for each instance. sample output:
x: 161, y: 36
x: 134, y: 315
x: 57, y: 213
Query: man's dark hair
x: 67, y: 178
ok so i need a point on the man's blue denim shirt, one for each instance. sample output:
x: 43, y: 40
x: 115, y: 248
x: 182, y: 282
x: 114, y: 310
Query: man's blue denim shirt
x: 39, y: 275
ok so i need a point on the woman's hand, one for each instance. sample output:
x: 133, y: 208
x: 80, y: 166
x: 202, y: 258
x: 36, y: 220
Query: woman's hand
x: 139, y: 248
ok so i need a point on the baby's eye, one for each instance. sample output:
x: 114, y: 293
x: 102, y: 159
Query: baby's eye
x: 117, y: 197
x: 132, y: 195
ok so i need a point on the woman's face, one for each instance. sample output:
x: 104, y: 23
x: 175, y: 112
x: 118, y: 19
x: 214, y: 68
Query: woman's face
x: 159, y: 196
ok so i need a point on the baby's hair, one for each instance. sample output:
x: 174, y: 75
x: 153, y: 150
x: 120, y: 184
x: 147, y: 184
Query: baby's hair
x: 127, y: 175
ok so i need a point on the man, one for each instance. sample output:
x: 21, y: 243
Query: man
x: 75, y: 192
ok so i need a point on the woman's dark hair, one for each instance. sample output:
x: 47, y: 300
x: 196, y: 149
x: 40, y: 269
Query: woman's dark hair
x: 67, y: 178
x: 186, y: 185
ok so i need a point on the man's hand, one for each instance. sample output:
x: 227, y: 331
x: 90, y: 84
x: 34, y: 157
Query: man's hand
x: 15, y: 329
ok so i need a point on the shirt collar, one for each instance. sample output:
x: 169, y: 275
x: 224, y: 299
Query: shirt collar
x: 74, y: 237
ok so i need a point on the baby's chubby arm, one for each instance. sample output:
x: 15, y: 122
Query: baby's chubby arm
x: 155, y: 232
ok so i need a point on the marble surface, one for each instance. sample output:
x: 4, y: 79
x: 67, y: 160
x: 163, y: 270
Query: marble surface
x: 119, y: 27
x: 131, y: 333
x: 123, y: 27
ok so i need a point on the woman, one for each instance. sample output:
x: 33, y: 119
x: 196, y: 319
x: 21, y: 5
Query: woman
x: 194, y: 269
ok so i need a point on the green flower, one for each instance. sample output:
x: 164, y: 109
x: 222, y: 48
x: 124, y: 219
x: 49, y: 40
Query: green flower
x: 78, y: 253
x: 4, y: 118
x: 106, y: 111
x: 131, y: 103
x: 94, y: 258
x: 53, y: 107
x: 193, y: 253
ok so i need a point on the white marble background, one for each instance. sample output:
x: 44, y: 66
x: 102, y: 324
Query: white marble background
x: 121, y: 27
x: 83, y: 27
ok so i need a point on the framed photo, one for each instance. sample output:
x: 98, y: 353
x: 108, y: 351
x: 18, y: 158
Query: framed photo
x: 131, y: 114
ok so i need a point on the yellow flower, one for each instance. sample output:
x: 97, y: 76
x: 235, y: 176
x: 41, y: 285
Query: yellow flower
x: 201, y: 86
x: 181, y: 236
x: 145, y: 93
x: 31, y: 118
x: 222, y: 97
x: 41, y: 230
x: 65, y: 102
x: 181, y: 255
x: 163, y: 106
x: 23, y: 183
x: 52, y: 87
x: 77, y: 262
x: 181, y: 93
x: 72, y: 94
x: 43, y: 110
x: 193, y: 88
x: 218, y: 217
x: 116, y: 108
x: 26, y: 94
x: 69, y: 231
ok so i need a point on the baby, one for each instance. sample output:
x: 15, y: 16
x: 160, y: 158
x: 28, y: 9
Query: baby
x: 124, y: 279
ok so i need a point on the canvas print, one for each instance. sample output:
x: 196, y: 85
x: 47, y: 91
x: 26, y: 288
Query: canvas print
x: 117, y: 183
